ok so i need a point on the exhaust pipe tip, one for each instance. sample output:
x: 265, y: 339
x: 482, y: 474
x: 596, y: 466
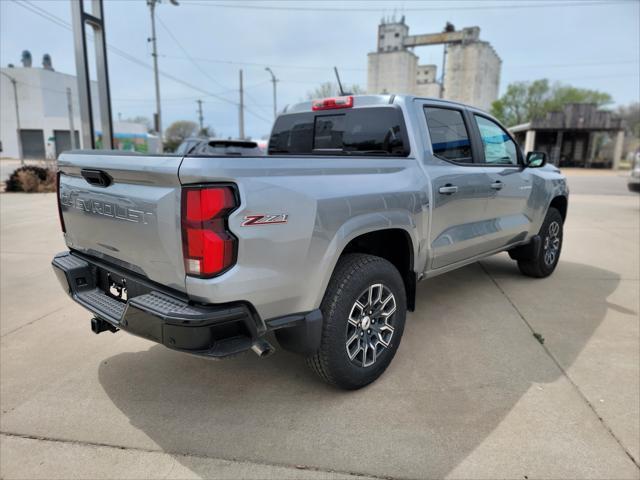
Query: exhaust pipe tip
x: 262, y: 348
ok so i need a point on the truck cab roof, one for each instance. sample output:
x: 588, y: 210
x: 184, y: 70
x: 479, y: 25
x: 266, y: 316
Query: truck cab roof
x: 376, y: 101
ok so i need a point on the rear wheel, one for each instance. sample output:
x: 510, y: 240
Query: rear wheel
x: 364, y: 311
x: 548, y: 255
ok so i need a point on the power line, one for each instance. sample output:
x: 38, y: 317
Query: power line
x: 297, y: 8
x: 189, y: 57
x: 62, y: 23
x: 190, y: 98
x: 623, y: 75
x: 327, y: 68
x: 583, y: 64
x: 204, y: 72
x: 255, y: 103
x: 262, y: 65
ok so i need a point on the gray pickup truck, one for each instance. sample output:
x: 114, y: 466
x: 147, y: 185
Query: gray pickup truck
x: 322, y: 241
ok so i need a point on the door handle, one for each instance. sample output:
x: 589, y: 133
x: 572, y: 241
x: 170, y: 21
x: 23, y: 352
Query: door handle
x: 448, y: 189
x: 497, y: 185
x: 96, y: 177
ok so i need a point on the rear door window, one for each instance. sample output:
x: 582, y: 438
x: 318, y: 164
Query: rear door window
x: 364, y: 131
x: 449, y: 134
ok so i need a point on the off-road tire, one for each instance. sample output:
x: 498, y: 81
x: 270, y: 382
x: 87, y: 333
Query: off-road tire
x: 538, y: 267
x: 354, y: 274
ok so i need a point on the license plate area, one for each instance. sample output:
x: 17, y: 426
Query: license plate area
x: 118, y: 286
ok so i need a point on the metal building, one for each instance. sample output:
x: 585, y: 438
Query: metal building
x: 43, y: 112
x: 45, y: 98
x: 472, y: 67
x: 579, y: 135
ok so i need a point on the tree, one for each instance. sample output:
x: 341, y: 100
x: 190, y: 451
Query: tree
x: 178, y: 131
x: 330, y: 89
x: 524, y: 101
x: 564, y: 94
x: 207, y: 131
x: 631, y: 116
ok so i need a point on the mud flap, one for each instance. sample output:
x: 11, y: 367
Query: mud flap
x: 304, y: 337
x: 530, y: 251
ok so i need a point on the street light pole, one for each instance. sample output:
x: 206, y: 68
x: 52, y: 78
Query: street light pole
x: 274, y: 80
x: 15, y: 99
x: 154, y: 46
x: 200, y: 116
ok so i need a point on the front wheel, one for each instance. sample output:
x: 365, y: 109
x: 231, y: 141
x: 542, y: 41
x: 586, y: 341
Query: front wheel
x: 548, y: 255
x: 364, y: 311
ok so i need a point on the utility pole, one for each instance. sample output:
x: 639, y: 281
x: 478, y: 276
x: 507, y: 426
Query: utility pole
x: 274, y: 80
x: 15, y: 100
x: 72, y: 129
x: 241, y: 113
x: 156, y: 75
x: 200, y: 117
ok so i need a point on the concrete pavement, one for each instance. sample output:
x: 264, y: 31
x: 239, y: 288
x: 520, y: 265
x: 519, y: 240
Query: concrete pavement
x: 470, y: 394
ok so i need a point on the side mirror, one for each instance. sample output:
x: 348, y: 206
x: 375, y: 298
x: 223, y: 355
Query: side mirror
x: 535, y: 160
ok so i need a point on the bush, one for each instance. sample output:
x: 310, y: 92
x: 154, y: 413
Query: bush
x: 31, y: 178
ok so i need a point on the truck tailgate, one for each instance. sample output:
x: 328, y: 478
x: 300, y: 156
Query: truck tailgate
x: 125, y: 209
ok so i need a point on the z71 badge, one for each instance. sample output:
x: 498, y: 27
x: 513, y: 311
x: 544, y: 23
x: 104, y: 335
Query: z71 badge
x: 251, y: 220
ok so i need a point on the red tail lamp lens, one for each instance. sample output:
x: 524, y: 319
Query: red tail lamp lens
x: 208, y: 247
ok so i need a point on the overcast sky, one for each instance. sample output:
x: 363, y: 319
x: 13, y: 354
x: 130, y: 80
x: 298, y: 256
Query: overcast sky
x: 588, y: 43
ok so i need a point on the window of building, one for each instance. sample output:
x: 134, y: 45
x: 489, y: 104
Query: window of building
x: 449, y: 135
x: 499, y: 148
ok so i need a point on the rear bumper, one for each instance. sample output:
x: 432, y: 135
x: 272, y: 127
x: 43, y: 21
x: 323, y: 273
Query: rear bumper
x: 213, y: 331
x: 162, y: 316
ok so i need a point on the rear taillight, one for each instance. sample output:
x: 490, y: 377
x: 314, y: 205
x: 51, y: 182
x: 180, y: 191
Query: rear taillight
x: 332, y: 103
x: 64, y: 229
x: 208, y: 247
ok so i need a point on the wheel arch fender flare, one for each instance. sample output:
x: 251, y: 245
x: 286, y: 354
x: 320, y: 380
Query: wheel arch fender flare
x: 361, y: 225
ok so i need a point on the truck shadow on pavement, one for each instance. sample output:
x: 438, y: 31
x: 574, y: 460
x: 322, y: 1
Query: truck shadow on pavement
x: 467, y: 358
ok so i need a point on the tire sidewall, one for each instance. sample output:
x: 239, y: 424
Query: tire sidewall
x: 552, y: 215
x: 336, y: 313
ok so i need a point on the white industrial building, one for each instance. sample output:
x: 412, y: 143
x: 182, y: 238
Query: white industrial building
x: 45, y: 120
x: 471, y: 72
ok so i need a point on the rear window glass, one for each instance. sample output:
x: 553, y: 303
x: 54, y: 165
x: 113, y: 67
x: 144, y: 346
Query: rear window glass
x: 226, y: 147
x: 365, y: 131
x: 328, y: 133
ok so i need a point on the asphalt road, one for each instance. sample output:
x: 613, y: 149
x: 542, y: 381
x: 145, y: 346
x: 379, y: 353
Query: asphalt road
x: 470, y: 394
x: 600, y: 183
